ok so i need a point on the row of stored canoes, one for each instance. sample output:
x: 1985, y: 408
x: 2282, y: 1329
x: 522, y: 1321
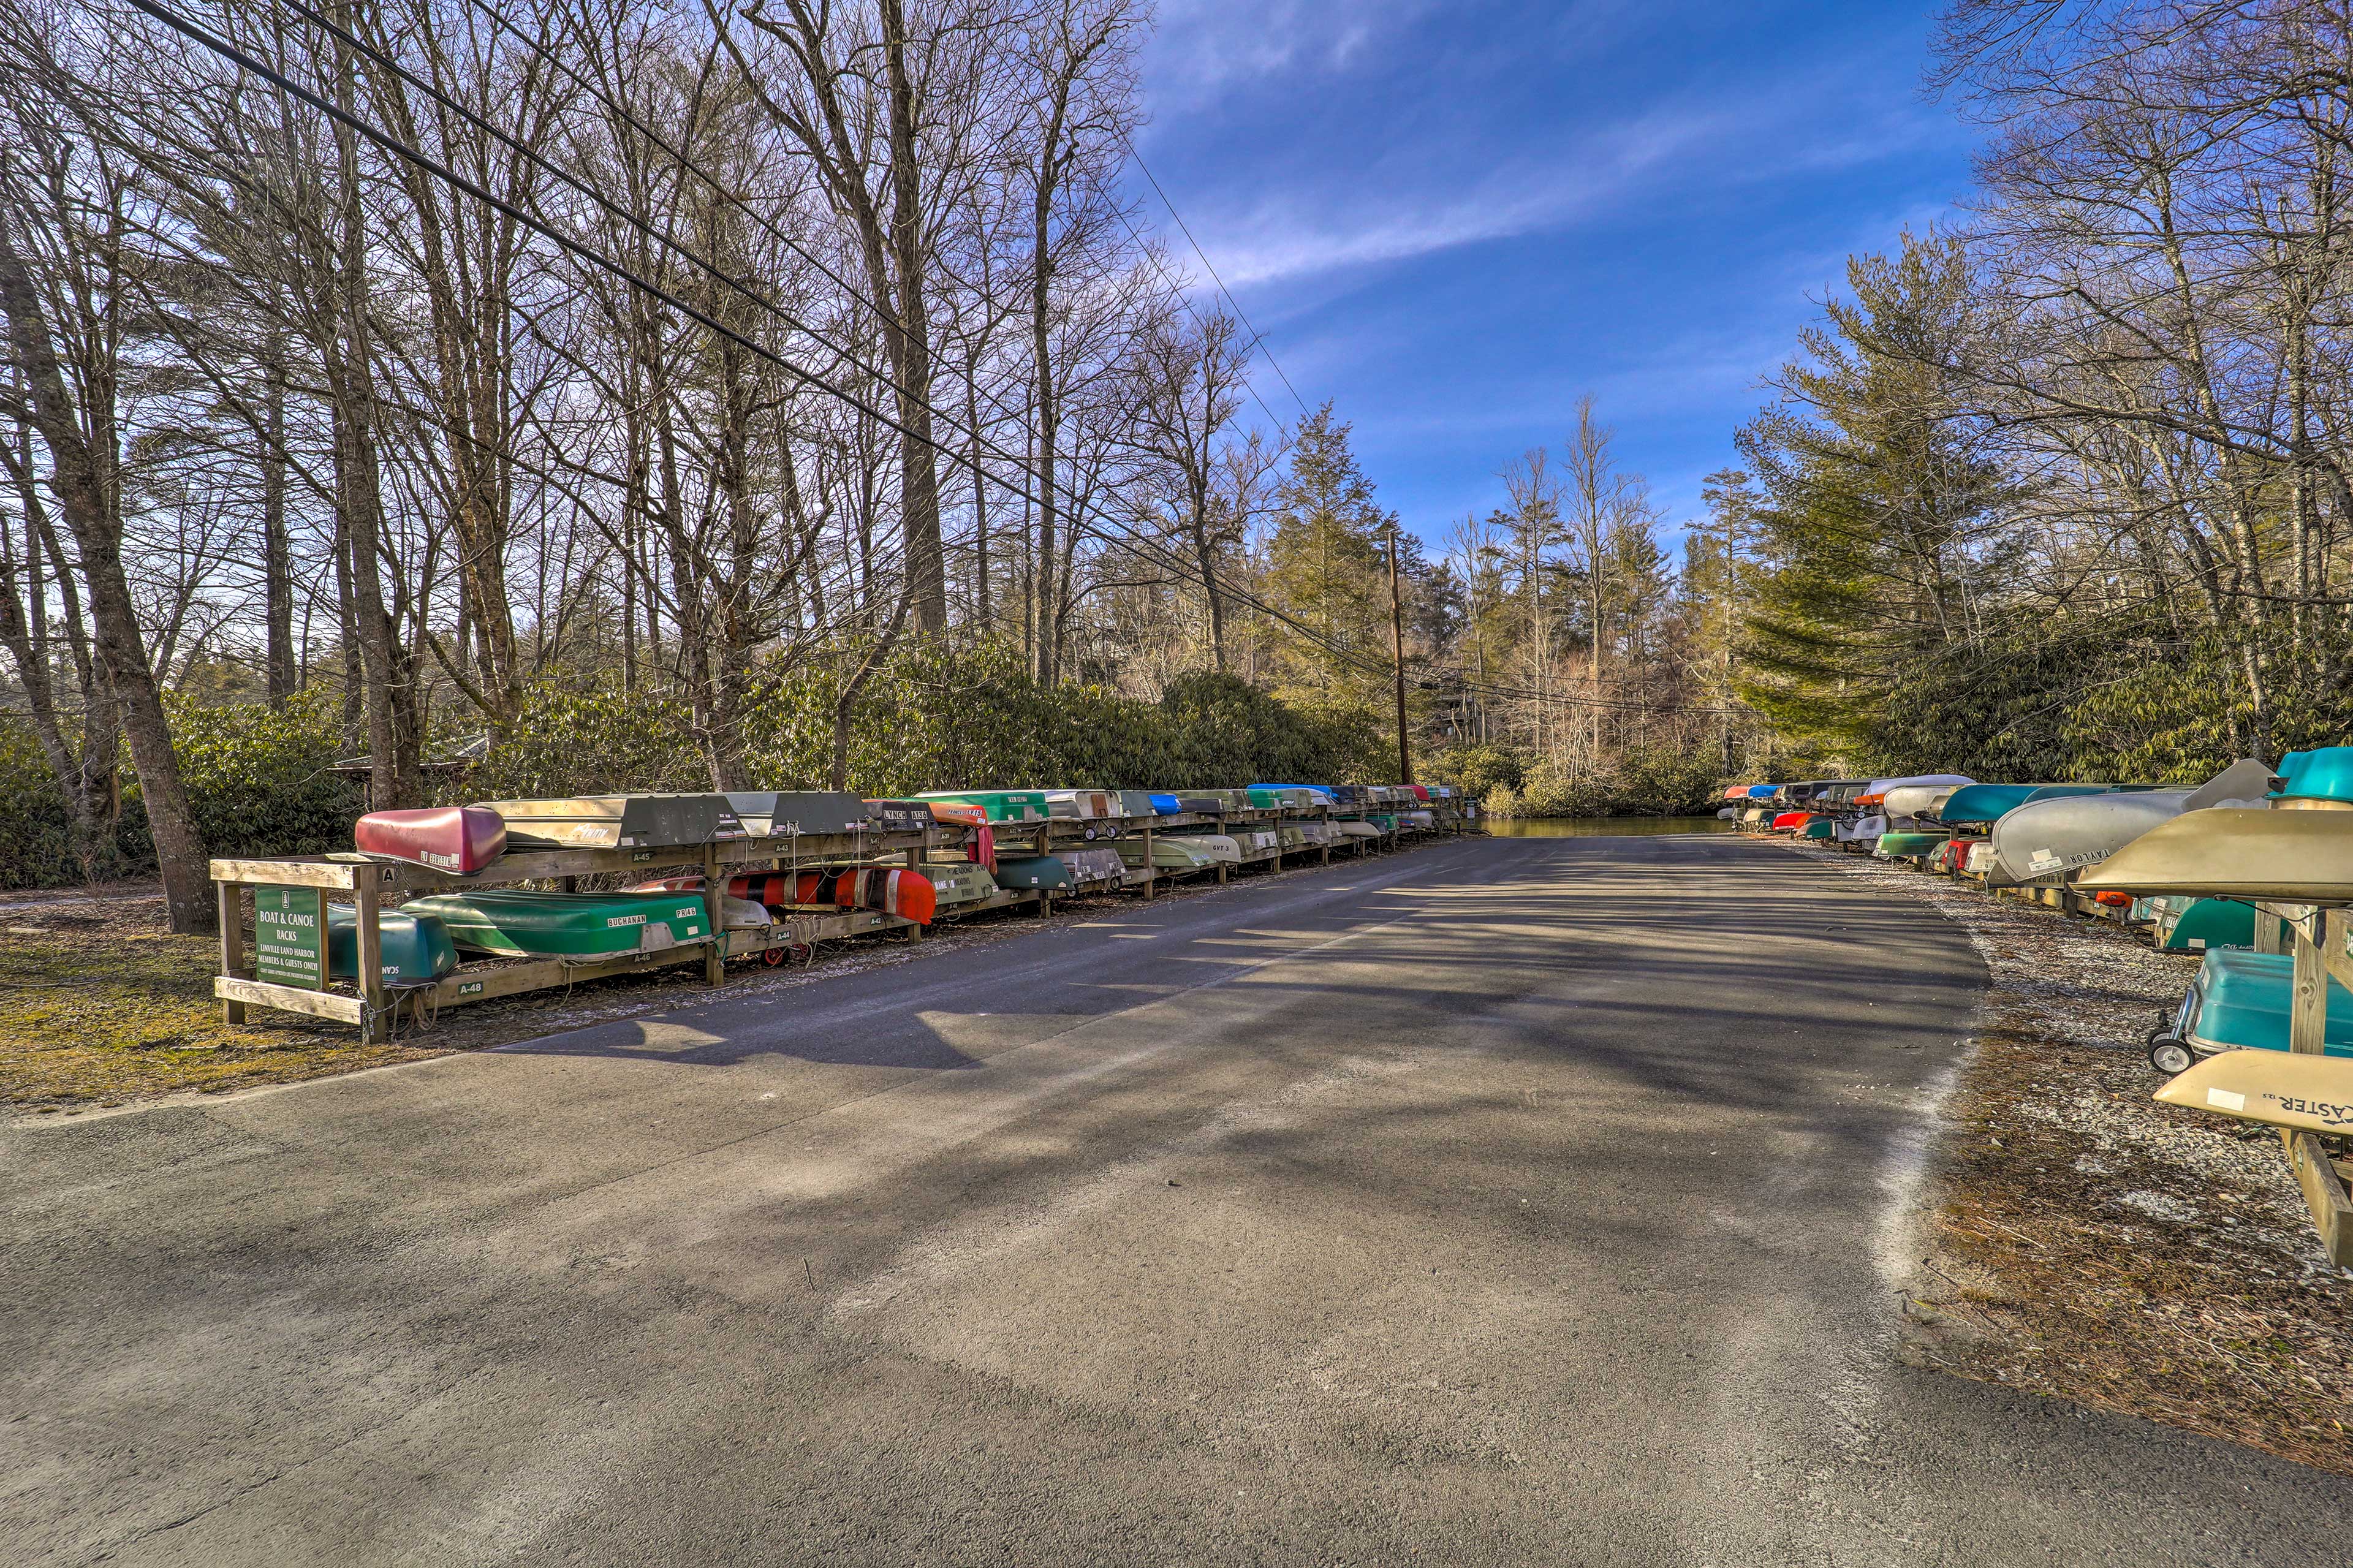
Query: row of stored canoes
x: 2188, y: 866
x: 423, y: 939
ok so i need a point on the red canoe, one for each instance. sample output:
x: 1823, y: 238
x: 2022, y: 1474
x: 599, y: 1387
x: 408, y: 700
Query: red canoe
x: 460, y: 839
x: 907, y: 894
x: 1790, y: 821
x: 781, y: 889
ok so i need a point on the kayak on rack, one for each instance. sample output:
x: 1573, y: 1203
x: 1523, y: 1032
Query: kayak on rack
x: 515, y: 923
x: 1223, y: 849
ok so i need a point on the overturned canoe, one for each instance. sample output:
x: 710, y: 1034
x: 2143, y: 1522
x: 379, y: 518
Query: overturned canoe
x: 1874, y: 790
x: 737, y: 912
x: 899, y: 815
x: 1032, y: 872
x: 1904, y: 846
x: 622, y: 821
x: 793, y: 813
x: 2044, y: 840
x: 1095, y: 865
x: 415, y: 949
x: 2181, y: 924
x: 1915, y: 800
x: 515, y: 923
x: 1352, y: 828
x: 2304, y: 1092
x: 1169, y: 853
x: 2326, y: 774
x: 1083, y: 804
x: 458, y: 839
x: 1001, y: 805
x: 1223, y: 849
x: 2055, y: 834
x: 2231, y: 852
x: 898, y: 890
x: 954, y: 885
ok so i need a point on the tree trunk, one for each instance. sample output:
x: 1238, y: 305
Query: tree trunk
x: 277, y: 553
x: 82, y: 477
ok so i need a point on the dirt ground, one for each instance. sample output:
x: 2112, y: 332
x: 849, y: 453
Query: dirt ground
x: 102, y: 1006
x: 2095, y: 1245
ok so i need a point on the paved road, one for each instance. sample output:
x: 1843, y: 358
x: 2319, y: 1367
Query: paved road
x: 1513, y: 1201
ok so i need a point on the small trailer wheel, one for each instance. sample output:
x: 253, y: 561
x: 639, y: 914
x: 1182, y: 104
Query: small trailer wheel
x: 773, y: 957
x: 2171, y: 1055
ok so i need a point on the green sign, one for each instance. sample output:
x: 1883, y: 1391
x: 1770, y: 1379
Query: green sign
x: 289, y: 936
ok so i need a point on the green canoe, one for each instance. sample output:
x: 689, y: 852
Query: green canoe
x: 2198, y: 925
x: 1289, y: 799
x: 1903, y: 846
x: 1001, y: 805
x: 513, y: 923
x: 1032, y: 871
x: 416, y: 949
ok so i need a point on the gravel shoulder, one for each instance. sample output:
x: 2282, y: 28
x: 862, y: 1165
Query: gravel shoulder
x: 2089, y: 1243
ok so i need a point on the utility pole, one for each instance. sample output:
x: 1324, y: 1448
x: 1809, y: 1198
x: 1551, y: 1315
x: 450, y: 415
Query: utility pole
x: 1396, y: 647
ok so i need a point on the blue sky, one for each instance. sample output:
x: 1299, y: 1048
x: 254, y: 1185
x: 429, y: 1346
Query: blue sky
x: 1452, y: 218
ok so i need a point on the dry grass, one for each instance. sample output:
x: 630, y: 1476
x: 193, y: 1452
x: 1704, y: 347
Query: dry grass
x: 2095, y: 1245
x: 100, y: 1005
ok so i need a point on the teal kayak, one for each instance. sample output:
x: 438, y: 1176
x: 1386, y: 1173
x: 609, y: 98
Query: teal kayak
x: 416, y: 948
x: 513, y: 923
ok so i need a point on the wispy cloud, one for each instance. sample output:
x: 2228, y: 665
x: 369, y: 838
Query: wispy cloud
x: 1207, y: 46
x: 1294, y: 233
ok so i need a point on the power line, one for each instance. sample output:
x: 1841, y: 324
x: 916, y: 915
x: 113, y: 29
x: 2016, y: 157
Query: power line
x: 1257, y: 339
x: 1134, y: 543
x: 1168, y: 559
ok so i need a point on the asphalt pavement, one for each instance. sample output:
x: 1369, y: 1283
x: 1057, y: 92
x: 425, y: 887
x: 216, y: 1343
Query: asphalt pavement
x: 1512, y: 1201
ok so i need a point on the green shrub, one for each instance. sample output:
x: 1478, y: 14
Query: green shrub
x: 258, y: 777
x: 37, y: 849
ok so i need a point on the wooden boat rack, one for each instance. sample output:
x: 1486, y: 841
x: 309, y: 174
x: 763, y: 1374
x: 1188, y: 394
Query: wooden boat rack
x: 372, y: 886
